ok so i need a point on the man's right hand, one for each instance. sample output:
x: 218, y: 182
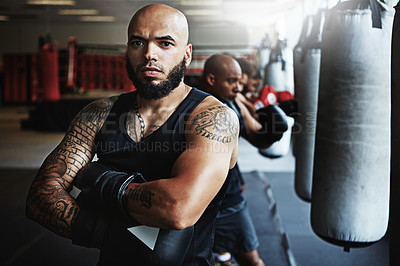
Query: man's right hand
x: 107, y: 185
x: 97, y: 220
x: 88, y: 176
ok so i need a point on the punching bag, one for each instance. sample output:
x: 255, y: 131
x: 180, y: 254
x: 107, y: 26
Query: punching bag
x: 49, y: 73
x: 394, y: 229
x: 297, y: 50
x: 287, y: 54
x: 298, y: 69
x: 307, y: 98
x: 264, y: 53
x: 274, y: 71
x: 72, y: 62
x: 350, y: 191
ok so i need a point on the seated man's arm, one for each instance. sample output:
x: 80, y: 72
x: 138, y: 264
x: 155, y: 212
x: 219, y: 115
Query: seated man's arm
x: 240, y: 98
x: 265, y: 127
x: 197, y: 175
x: 48, y: 201
x: 251, y: 127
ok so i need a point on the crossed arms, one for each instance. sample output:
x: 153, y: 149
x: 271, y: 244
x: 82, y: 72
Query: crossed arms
x: 176, y: 203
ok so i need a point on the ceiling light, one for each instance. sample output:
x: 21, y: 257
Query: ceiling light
x: 52, y: 2
x: 80, y: 12
x: 198, y: 3
x: 3, y: 18
x: 202, y: 12
x: 97, y: 18
x: 205, y: 19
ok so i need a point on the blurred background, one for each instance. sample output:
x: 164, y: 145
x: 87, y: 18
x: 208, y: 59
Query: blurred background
x: 98, y: 28
x: 56, y: 56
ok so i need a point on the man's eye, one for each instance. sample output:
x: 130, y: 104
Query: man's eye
x: 136, y: 43
x: 166, y: 44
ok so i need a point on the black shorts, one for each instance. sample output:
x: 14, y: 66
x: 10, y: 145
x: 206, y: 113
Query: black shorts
x: 234, y: 230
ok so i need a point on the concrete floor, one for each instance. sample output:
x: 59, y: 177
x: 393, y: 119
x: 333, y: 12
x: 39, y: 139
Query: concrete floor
x: 281, y: 218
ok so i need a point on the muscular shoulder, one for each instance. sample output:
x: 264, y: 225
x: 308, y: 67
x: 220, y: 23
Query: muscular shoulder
x: 96, y: 111
x: 215, y: 121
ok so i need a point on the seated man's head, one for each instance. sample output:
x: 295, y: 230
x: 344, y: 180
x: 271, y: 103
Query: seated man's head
x: 253, y: 86
x: 247, y: 71
x: 221, y: 76
x: 158, y: 51
x: 251, y: 79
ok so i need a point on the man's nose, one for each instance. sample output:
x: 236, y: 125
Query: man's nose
x: 151, y: 52
x: 239, y: 86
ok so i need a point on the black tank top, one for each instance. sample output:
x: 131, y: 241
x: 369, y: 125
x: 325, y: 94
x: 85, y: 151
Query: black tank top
x: 154, y: 157
x: 233, y: 194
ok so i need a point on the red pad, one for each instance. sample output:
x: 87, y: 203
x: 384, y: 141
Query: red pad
x: 285, y: 96
x: 267, y: 96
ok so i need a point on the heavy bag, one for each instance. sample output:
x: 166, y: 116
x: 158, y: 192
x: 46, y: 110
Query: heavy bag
x: 275, y: 70
x: 394, y: 229
x: 72, y: 62
x: 287, y: 54
x: 350, y: 191
x: 49, y: 73
x: 298, y: 67
x: 307, y: 99
x: 264, y: 52
x: 297, y: 50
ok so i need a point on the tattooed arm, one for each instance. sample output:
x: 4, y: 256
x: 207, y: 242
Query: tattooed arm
x: 49, y: 202
x: 197, y: 175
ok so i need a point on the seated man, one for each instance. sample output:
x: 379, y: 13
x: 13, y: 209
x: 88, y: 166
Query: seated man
x: 235, y: 232
x: 164, y: 153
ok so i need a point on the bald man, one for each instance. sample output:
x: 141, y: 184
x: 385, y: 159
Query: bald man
x: 165, y: 154
x: 234, y: 233
x: 222, y: 78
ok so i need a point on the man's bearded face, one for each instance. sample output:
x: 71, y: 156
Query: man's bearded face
x: 150, y: 89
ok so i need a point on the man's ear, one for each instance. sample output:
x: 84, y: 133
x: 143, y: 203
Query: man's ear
x: 210, y: 78
x: 188, y: 54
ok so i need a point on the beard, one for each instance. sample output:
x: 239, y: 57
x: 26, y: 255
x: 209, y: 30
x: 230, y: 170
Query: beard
x: 153, y: 91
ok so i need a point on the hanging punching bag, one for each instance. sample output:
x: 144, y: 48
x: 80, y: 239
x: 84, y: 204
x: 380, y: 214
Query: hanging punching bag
x: 274, y: 71
x: 307, y: 98
x: 297, y: 50
x: 350, y: 192
x: 72, y: 62
x: 287, y: 54
x: 298, y: 70
x: 394, y: 229
x: 49, y: 73
x: 264, y: 53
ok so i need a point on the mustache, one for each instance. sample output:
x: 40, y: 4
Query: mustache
x: 149, y: 64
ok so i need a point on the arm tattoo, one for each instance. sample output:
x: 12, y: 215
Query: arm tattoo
x: 48, y: 200
x: 140, y: 195
x: 216, y: 123
x: 154, y: 129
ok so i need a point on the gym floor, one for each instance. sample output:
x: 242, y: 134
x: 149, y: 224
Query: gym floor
x: 280, y: 217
